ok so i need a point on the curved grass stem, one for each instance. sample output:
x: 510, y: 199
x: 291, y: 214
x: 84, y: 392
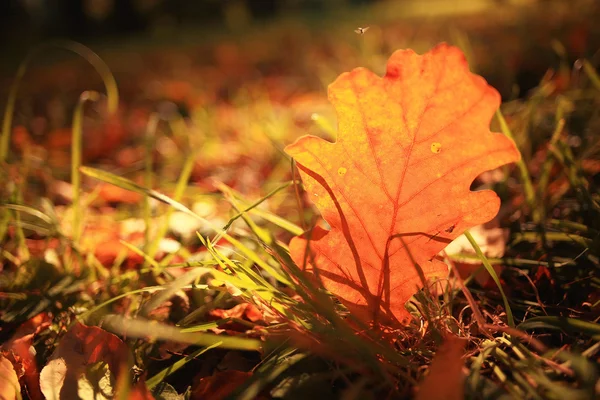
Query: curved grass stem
x: 76, y: 150
x: 110, y: 84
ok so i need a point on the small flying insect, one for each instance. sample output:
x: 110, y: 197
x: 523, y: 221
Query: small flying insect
x: 361, y: 31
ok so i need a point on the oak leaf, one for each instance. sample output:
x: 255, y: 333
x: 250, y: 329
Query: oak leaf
x: 395, y: 186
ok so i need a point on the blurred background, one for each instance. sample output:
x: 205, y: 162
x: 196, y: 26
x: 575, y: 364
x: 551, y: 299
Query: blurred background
x: 224, y: 65
x: 538, y: 25
x: 31, y: 20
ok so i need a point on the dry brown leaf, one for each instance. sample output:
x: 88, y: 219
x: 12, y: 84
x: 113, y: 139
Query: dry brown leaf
x: 219, y: 386
x: 79, y: 348
x: 19, y: 347
x: 445, y: 380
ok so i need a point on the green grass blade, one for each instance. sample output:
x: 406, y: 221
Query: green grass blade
x: 509, y: 262
x: 172, y: 288
x: 206, y: 326
x: 523, y: 171
x: 268, y: 372
x: 547, y: 165
x: 490, y: 270
x: 83, y: 317
x: 268, y: 216
x: 564, y: 224
x: 245, y: 250
x: 148, y: 151
x: 140, y: 328
x: 127, y: 184
x: 29, y: 210
x: 229, y: 194
x: 592, y: 74
x: 76, y: 160
x: 553, y: 236
x: 20, y: 225
x: 239, y: 269
x: 160, y: 376
x: 139, y: 252
x: 571, y: 325
x: 585, y: 368
x: 180, y: 187
x: 130, y: 185
x: 277, y: 221
x: 575, y: 175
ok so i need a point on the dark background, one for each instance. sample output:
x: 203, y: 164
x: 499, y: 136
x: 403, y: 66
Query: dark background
x: 25, y: 22
x: 514, y: 49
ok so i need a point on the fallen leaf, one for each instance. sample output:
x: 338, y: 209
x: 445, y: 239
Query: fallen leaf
x: 164, y: 391
x: 445, y: 380
x: 20, y: 346
x: 244, y: 311
x: 52, y: 379
x: 97, y: 384
x: 31, y: 327
x: 219, y: 386
x: 103, y: 137
x: 103, y: 239
x: 113, y: 194
x: 140, y: 392
x: 78, y: 349
x: 409, y: 146
x: 9, y: 382
x: 175, y: 308
x: 21, y: 139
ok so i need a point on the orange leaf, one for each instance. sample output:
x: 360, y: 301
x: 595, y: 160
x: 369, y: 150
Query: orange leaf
x: 218, y: 386
x: 140, y: 392
x: 95, y: 344
x: 394, y: 187
x: 446, y: 379
x: 114, y: 194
